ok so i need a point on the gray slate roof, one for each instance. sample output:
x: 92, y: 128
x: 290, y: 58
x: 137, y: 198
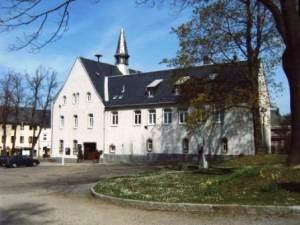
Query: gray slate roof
x: 98, y: 70
x: 134, y: 85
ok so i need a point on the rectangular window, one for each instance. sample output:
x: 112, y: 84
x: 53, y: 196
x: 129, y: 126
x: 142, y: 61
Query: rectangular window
x: 30, y: 139
x: 151, y: 117
x: 62, y: 122
x: 218, y: 116
x: 183, y: 116
x: 112, y: 148
x: 167, y: 116
x: 68, y: 151
x: 90, y: 121
x: 74, y: 98
x: 64, y: 100
x: 115, y: 118
x: 75, y: 147
x: 21, y: 139
x: 45, y: 137
x: 22, y: 126
x: 2, y: 139
x: 137, y: 117
x: 75, y: 117
x: 149, y: 145
x: 61, y: 146
x: 88, y: 97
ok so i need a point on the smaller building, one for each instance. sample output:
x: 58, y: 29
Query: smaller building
x: 19, y: 135
x: 281, y: 132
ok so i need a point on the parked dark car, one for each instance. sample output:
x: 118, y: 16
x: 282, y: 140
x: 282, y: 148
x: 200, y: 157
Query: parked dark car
x: 3, y: 160
x: 21, y: 160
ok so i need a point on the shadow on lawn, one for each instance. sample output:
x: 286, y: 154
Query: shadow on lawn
x: 26, y: 213
x: 213, y: 171
x: 291, y: 187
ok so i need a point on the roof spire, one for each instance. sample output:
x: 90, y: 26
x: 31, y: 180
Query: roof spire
x: 122, y: 55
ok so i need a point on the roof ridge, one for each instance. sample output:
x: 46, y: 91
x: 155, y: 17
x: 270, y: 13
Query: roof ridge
x: 181, y: 68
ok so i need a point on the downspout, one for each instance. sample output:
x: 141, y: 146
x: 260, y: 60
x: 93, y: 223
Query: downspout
x: 52, y: 106
x: 106, y: 99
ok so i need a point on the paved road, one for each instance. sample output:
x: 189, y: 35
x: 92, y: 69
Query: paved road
x: 59, y: 195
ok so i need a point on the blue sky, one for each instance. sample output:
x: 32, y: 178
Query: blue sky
x: 94, y: 28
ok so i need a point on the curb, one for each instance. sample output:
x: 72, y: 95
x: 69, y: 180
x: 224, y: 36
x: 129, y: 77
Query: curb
x: 201, y: 208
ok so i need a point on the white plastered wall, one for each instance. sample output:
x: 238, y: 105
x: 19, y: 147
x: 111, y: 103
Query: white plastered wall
x: 130, y: 139
x: 77, y: 82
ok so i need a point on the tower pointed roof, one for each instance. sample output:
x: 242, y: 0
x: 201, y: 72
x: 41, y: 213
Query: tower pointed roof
x: 122, y: 55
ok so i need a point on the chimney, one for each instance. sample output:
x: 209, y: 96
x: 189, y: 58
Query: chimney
x: 206, y: 60
x: 98, y: 56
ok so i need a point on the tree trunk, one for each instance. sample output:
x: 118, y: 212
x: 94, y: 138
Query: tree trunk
x: 4, y: 138
x: 291, y: 66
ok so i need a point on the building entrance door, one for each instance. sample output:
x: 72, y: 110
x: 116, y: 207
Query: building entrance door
x: 90, y: 151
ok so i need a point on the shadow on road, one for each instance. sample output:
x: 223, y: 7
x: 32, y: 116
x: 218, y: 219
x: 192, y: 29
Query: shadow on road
x: 27, y: 213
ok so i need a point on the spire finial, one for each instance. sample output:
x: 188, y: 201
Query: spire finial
x: 122, y: 55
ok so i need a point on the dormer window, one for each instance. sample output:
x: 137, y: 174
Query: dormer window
x: 150, y: 92
x: 212, y: 76
x: 177, y: 91
x: 150, y: 89
x: 178, y: 83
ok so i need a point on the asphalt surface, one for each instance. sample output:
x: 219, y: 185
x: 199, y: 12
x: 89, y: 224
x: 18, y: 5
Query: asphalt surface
x: 60, y: 195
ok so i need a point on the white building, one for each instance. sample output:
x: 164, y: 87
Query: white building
x: 134, y: 116
x: 21, y: 131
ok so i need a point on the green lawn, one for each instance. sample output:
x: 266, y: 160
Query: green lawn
x: 259, y: 180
